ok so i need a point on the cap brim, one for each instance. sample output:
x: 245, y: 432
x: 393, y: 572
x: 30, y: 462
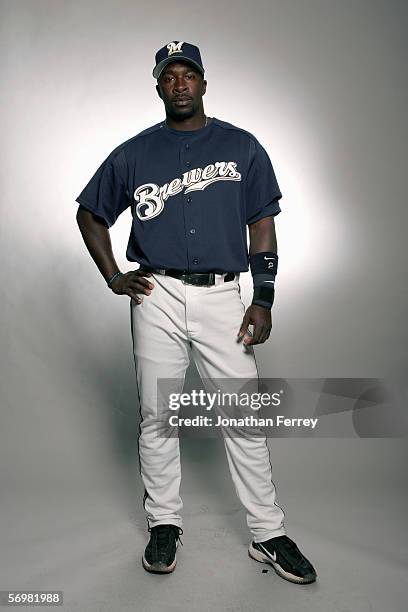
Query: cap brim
x: 157, y: 70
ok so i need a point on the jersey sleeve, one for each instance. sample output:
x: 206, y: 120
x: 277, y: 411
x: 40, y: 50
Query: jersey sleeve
x: 105, y: 195
x: 262, y: 189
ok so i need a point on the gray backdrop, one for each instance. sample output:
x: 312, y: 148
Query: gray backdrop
x: 322, y: 84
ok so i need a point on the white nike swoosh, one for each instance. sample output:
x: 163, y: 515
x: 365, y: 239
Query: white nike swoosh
x: 269, y: 281
x: 267, y: 257
x: 272, y: 555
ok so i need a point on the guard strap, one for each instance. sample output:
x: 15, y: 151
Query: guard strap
x: 264, y: 296
x: 264, y: 266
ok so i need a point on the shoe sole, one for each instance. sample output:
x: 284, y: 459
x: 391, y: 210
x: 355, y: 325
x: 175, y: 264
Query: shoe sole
x: 158, y: 568
x: 257, y: 555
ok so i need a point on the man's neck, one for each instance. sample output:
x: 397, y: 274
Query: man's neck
x: 193, y: 123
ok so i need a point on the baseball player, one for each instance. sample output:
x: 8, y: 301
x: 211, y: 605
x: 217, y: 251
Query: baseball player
x: 194, y: 183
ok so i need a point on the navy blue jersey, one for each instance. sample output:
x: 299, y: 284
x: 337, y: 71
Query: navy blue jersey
x: 191, y: 193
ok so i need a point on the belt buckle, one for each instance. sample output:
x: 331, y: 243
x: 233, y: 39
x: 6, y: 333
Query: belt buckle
x: 184, y: 277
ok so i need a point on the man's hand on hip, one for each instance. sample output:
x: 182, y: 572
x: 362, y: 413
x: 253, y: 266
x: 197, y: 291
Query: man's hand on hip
x: 133, y: 284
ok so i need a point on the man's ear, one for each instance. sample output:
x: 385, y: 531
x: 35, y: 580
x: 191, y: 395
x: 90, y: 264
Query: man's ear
x: 204, y: 86
x: 158, y: 91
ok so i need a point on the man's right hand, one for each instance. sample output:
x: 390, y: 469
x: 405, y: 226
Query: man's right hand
x: 133, y: 284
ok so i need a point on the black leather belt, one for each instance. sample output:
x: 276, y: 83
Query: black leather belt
x: 193, y: 278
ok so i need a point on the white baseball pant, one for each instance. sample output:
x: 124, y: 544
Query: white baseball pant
x: 174, y: 322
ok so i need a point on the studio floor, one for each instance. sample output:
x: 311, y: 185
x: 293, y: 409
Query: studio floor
x: 343, y: 502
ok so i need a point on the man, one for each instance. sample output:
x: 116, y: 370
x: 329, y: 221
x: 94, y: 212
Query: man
x: 194, y: 184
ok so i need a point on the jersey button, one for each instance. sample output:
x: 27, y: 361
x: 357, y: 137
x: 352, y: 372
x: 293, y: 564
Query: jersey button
x: 187, y: 146
x: 187, y: 163
x: 192, y: 231
x: 188, y: 199
x: 195, y: 261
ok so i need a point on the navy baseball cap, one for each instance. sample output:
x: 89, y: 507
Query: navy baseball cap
x: 174, y: 51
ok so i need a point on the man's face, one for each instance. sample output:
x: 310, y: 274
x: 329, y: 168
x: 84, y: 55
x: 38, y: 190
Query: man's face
x: 181, y: 87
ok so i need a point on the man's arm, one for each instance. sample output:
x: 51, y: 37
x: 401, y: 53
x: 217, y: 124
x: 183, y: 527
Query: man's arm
x: 97, y: 240
x: 95, y: 234
x: 262, y: 237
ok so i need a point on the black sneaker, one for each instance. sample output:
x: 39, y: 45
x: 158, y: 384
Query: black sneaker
x: 286, y: 559
x: 160, y: 553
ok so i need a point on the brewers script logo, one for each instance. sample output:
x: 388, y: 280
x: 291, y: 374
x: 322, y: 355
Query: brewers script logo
x: 174, y: 47
x: 150, y: 197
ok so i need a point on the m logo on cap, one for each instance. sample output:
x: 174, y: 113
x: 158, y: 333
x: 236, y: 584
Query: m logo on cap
x: 174, y: 47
